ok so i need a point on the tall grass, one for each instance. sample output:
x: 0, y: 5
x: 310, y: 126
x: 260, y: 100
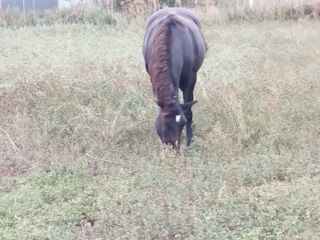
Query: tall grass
x: 77, y: 14
x: 270, y: 9
x: 225, y: 10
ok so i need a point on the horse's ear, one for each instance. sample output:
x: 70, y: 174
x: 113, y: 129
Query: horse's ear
x: 187, y: 105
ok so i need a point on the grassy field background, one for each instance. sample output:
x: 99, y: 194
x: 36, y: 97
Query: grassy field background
x: 79, y: 157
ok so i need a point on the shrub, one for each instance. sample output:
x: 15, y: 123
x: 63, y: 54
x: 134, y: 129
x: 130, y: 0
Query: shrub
x: 77, y: 14
x: 271, y: 9
x: 96, y: 16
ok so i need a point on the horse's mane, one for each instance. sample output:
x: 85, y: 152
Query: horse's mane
x: 160, y: 61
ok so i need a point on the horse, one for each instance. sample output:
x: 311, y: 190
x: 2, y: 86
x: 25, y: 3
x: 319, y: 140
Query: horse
x: 173, y: 49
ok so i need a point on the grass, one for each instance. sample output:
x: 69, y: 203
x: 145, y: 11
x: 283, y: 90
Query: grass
x: 260, y: 10
x: 79, y: 158
x: 77, y: 14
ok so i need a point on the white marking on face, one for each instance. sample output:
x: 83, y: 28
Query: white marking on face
x: 178, y: 118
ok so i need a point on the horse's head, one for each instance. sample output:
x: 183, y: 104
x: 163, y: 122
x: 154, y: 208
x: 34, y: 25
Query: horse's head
x: 170, y: 122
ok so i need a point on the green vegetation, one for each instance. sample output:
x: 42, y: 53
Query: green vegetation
x: 78, y: 14
x: 79, y: 158
x: 260, y: 10
x: 104, y: 13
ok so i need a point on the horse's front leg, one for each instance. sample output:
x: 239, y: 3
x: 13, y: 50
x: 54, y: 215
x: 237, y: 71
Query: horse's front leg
x: 188, y: 98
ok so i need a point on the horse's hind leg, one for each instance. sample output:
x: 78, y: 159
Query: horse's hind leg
x: 188, y: 97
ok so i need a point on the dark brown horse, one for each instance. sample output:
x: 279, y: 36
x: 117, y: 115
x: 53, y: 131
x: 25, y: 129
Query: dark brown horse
x: 174, y: 50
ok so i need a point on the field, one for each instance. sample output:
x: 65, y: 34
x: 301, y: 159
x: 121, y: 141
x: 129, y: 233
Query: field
x: 79, y: 157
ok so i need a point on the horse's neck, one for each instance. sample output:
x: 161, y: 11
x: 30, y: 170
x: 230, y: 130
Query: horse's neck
x: 159, y: 66
x: 163, y: 89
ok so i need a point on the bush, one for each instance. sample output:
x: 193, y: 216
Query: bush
x: 97, y: 16
x: 13, y: 17
x: 78, y: 14
x: 47, y: 17
x: 269, y: 10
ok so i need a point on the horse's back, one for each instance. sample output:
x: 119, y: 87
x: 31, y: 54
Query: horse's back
x: 183, y: 38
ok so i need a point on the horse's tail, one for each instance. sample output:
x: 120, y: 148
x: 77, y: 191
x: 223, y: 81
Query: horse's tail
x: 173, y: 20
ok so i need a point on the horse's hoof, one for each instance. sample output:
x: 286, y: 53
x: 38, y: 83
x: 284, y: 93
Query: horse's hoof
x: 189, y: 141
